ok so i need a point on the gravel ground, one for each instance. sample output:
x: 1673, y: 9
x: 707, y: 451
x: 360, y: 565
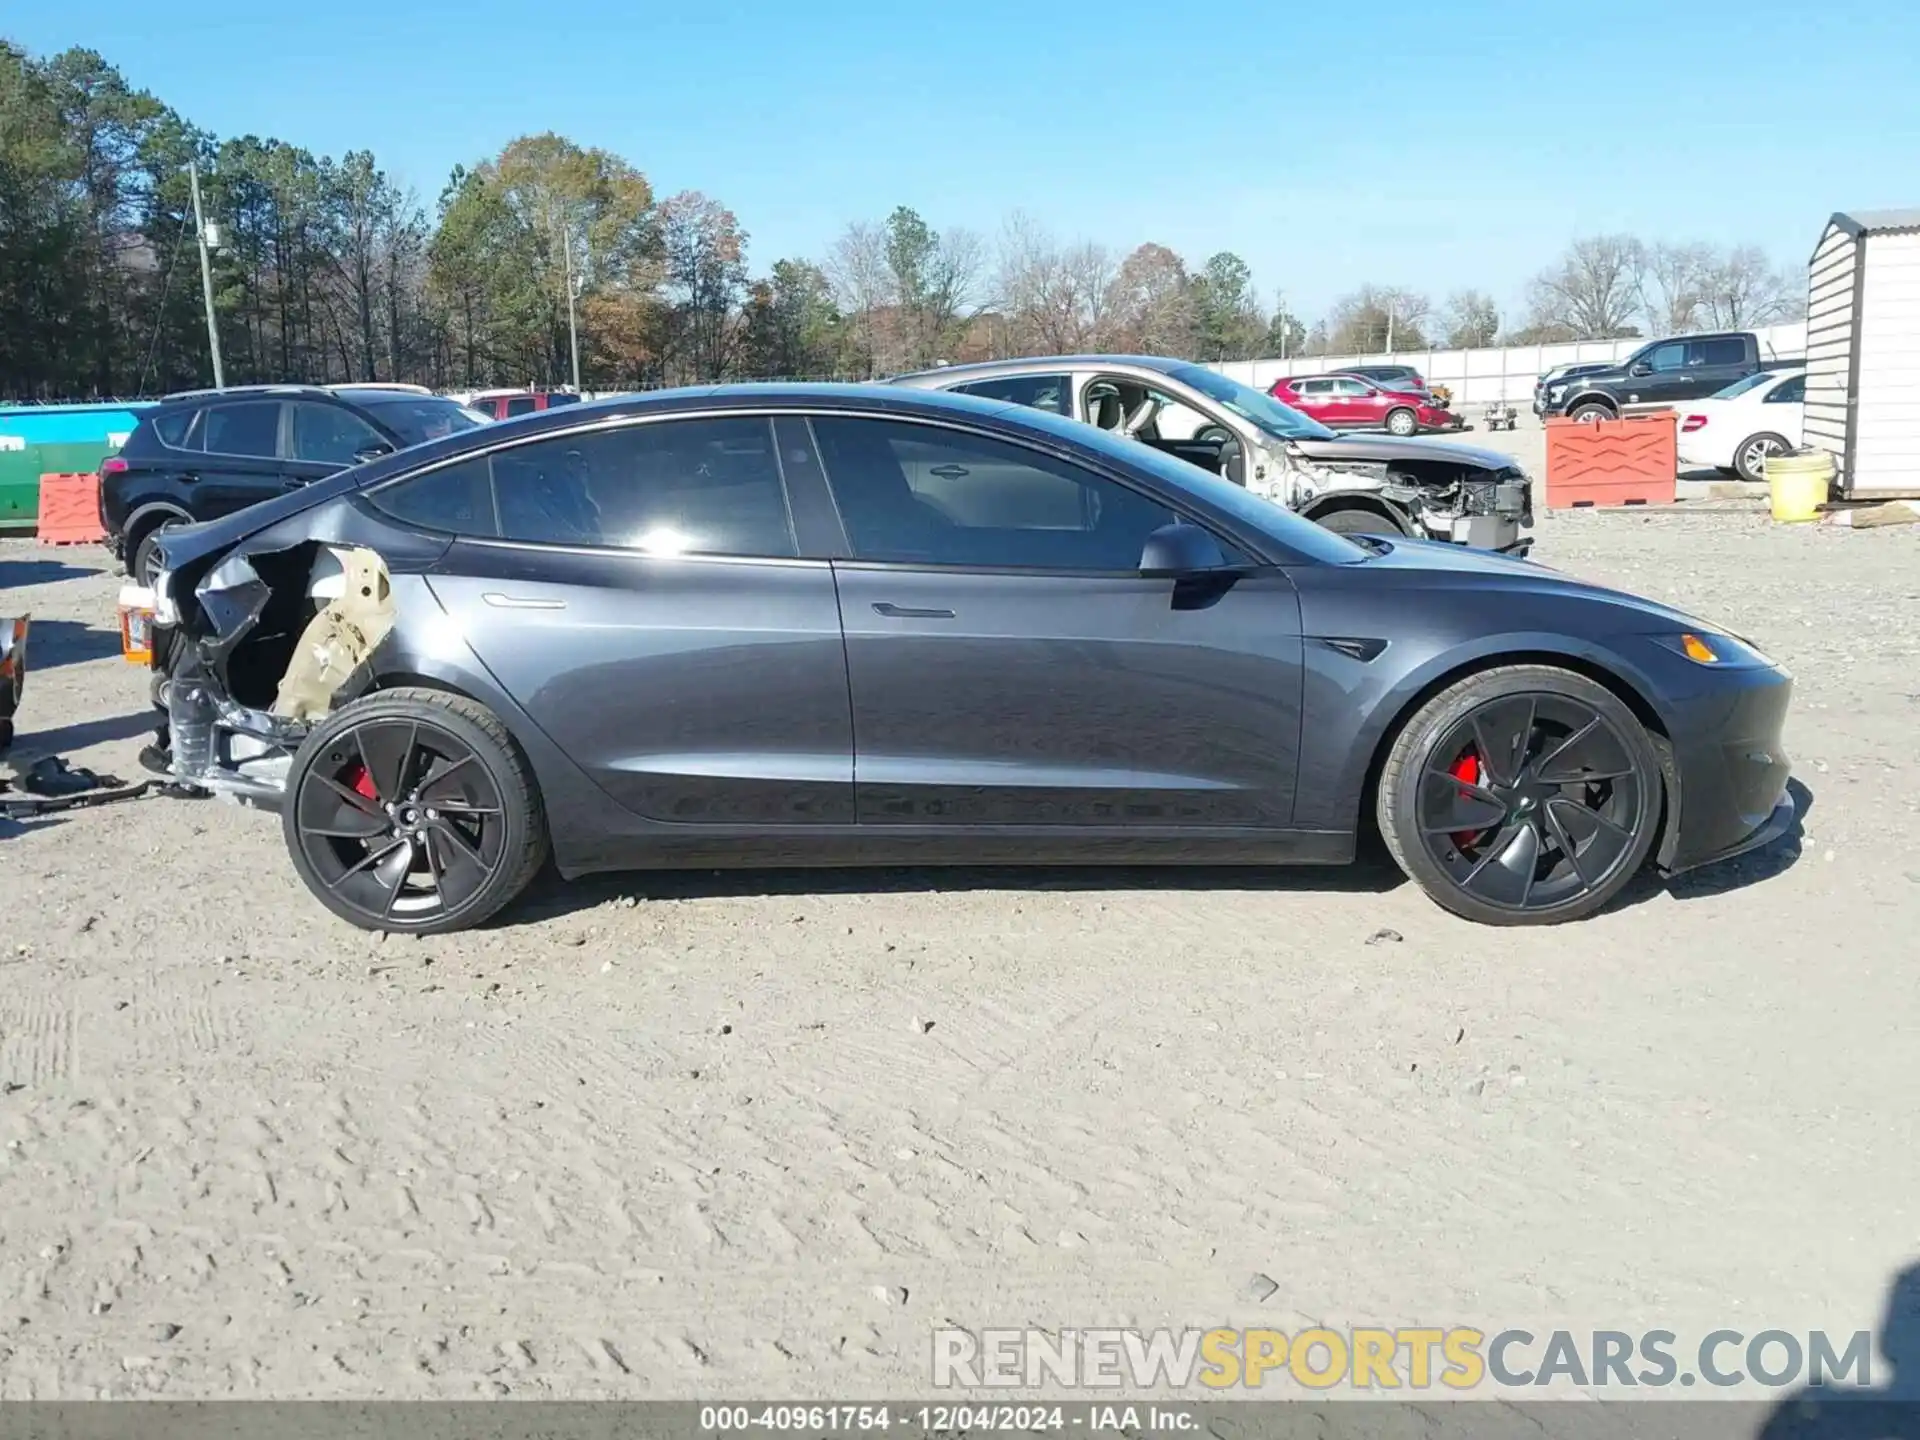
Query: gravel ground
x: 757, y: 1134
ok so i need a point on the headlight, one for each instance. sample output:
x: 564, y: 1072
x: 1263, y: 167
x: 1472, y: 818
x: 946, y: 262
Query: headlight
x: 1722, y: 652
x: 1554, y: 392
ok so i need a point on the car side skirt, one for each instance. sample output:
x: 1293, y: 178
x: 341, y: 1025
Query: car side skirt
x: 819, y: 846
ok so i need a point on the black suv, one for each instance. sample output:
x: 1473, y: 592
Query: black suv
x: 205, y: 453
x: 1389, y: 377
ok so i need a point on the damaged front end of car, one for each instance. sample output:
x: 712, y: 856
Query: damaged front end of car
x: 1426, y: 497
x: 253, y: 651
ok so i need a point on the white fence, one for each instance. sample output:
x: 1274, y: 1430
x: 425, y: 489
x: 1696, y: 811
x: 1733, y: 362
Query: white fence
x: 1498, y: 373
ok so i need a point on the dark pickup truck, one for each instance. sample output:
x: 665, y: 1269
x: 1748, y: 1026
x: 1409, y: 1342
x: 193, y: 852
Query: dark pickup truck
x: 1659, y: 375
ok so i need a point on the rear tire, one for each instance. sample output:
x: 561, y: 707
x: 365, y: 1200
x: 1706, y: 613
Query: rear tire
x: 145, y: 557
x: 1750, y: 458
x: 1402, y: 422
x: 1523, y: 795
x: 413, y: 810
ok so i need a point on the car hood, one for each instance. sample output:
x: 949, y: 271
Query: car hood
x: 1507, y: 571
x: 1384, y: 448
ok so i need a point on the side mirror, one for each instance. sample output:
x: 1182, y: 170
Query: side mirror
x: 1642, y: 368
x: 1180, y: 549
x: 371, y: 452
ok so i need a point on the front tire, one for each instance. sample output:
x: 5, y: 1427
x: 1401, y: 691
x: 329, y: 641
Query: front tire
x: 413, y: 810
x: 1750, y: 460
x: 1402, y: 422
x: 1523, y: 795
x: 1592, y: 413
x: 1358, y: 522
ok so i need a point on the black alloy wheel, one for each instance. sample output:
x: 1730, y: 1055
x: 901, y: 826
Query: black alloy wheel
x: 1524, y: 795
x: 413, y: 811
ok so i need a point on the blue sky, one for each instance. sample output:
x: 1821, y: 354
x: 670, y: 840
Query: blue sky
x: 1428, y: 145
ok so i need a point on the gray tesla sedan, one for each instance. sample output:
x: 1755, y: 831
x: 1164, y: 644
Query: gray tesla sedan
x: 852, y: 625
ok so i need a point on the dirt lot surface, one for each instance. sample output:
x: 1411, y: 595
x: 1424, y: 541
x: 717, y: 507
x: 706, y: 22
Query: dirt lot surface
x: 759, y: 1134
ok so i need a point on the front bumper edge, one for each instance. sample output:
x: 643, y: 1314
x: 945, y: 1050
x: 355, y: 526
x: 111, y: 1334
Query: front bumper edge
x: 1785, y: 815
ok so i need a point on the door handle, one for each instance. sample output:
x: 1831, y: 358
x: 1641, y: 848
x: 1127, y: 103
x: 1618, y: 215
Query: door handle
x: 948, y: 472
x: 909, y: 612
x: 521, y: 602
x: 189, y: 477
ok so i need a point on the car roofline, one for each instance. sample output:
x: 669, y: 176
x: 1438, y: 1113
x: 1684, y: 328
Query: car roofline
x: 242, y: 391
x: 1042, y: 364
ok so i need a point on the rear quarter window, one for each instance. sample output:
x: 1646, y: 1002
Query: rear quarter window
x: 455, y: 499
x: 171, y: 430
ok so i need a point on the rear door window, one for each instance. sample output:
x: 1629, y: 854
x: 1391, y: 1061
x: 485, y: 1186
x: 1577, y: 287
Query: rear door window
x: 915, y: 493
x: 1727, y: 350
x: 330, y: 434
x: 673, y: 487
x: 1037, y: 392
x: 249, y: 427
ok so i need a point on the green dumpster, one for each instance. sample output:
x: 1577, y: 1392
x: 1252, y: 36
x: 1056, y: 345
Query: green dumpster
x: 38, y: 440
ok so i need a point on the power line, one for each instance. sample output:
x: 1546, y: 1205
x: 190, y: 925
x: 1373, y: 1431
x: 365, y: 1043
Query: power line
x: 160, y: 314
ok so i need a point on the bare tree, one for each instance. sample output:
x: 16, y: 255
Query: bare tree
x: 1053, y: 299
x: 1471, y: 319
x: 1152, y: 303
x: 705, y: 277
x: 1379, y: 319
x: 1671, y: 277
x: 862, y: 285
x: 1593, y: 291
x: 1741, y: 289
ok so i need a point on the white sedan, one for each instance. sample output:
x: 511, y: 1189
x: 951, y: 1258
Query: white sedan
x: 1735, y: 429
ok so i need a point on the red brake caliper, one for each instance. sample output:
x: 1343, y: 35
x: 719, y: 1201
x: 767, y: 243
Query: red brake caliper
x: 361, y: 783
x: 1468, y: 769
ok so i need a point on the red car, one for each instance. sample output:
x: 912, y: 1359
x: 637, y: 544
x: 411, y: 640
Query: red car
x: 505, y: 404
x: 1348, y: 402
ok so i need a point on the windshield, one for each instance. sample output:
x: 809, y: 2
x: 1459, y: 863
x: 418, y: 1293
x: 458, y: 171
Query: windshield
x: 1282, y: 422
x: 1740, y: 387
x: 1302, y: 537
x: 418, y: 418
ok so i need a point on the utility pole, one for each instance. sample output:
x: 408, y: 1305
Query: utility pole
x: 1390, y: 305
x: 573, y: 291
x: 206, y: 276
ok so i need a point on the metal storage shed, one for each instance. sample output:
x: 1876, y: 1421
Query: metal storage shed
x: 1863, y: 351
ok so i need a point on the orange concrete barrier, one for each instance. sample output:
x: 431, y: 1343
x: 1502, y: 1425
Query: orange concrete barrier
x: 1634, y: 461
x: 70, y: 510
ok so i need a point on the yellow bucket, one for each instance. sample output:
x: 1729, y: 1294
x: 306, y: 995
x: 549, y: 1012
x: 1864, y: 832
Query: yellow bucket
x: 1798, y: 483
